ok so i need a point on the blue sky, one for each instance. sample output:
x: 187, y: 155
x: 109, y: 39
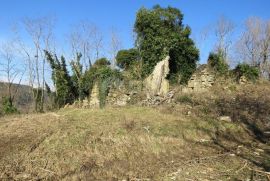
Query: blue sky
x: 120, y: 14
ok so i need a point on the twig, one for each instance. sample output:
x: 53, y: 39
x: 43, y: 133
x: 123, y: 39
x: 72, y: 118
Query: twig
x: 237, y: 171
x: 47, y: 170
x: 259, y: 171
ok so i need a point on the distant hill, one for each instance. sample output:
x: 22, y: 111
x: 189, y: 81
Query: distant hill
x: 23, y: 99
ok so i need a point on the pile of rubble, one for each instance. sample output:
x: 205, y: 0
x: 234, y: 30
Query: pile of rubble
x: 158, y: 100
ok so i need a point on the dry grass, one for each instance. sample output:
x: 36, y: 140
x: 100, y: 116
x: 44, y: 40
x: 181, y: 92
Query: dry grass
x: 175, y: 142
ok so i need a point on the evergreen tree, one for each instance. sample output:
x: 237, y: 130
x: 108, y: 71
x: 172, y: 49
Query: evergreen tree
x: 65, y: 92
x: 77, y: 77
x: 160, y: 32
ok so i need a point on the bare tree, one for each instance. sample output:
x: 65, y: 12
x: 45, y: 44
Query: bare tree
x: 115, y: 46
x: 9, y: 68
x: 254, y: 44
x: 223, y: 31
x: 87, y: 40
x: 97, y: 42
x: 81, y: 42
x: 265, y: 50
x: 41, y: 34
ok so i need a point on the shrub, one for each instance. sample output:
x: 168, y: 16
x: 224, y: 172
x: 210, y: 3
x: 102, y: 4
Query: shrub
x: 101, y: 62
x: 250, y: 72
x: 184, y: 99
x: 126, y: 58
x: 8, y: 107
x: 217, y: 62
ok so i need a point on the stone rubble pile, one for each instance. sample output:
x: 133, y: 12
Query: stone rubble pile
x: 158, y: 100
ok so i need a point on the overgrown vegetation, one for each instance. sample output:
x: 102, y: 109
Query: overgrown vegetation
x: 8, y: 107
x: 106, y: 77
x: 250, y: 72
x: 160, y: 32
x: 218, y: 63
x: 65, y: 90
x: 184, y: 99
x: 79, y: 85
x: 125, y: 59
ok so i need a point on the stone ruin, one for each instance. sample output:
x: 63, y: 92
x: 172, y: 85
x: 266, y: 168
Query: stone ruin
x: 117, y: 96
x: 201, y: 80
x: 155, y: 90
x: 156, y: 83
x: 156, y: 87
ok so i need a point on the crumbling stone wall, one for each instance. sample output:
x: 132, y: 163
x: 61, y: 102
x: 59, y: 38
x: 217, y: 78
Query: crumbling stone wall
x: 201, y: 80
x: 156, y: 83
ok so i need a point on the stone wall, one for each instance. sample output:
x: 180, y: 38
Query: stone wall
x: 156, y: 89
x: 119, y: 95
x: 156, y: 83
x: 201, y: 80
x: 94, y: 96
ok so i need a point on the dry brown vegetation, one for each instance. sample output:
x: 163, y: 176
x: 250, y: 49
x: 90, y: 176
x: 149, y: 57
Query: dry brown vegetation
x: 181, y: 141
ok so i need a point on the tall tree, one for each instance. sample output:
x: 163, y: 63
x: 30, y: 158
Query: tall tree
x: 223, y: 31
x: 87, y: 40
x: 115, y: 45
x: 64, y: 89
x: 160, y: 32
x: 40, y: 31
x: 10, y: 71
x: 78, y: 76
x: 254, y: 45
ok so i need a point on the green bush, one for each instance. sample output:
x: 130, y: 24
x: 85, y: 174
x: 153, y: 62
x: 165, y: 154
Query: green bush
x: 218, y: 63
x: 8, y: 107
x: 250, y: 72
x: 101, y: 62
x: 126, y: 58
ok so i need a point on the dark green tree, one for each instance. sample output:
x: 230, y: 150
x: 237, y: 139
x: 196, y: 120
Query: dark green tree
x: 217, y: 62
x: 65, y: 92
x: 126, y: 58
x: 77, y: 77
x: 160, y: 32
x: 102, y: 62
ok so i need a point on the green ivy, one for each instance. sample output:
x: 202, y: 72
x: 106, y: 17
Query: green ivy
x: 105, y: 77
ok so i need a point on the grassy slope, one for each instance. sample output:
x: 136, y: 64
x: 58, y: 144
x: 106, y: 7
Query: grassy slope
x: 115, y: 144
x: 183, y: 141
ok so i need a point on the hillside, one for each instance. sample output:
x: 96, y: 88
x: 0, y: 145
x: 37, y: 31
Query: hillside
x: 186, y: 140
x: 23, y: 98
